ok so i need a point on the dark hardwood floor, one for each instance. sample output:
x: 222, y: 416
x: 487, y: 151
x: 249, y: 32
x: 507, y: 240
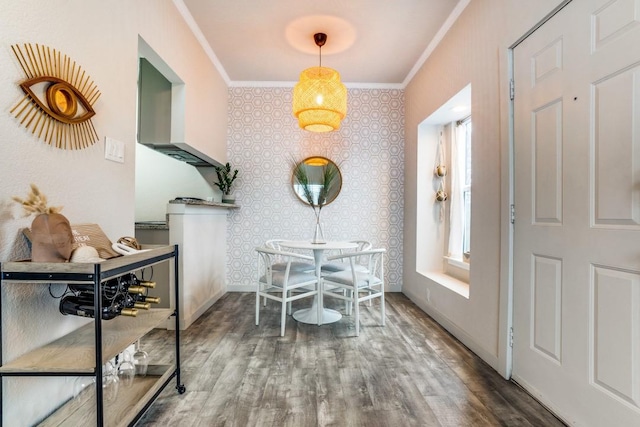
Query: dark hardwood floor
x: 410, y: 372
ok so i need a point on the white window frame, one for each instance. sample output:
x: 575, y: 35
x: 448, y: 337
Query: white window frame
x: 466, y: 190
x: 459, y: 217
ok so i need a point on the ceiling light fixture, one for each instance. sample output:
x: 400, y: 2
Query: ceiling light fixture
x: 319, y: 98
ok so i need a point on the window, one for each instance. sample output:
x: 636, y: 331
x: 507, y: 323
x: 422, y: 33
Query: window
x: 464, y: 133
x: 460, y: 208
x: 443, y: 228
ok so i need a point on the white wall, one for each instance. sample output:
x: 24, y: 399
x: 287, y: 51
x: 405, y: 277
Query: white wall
x: 473, y: 51
x: 102, y: 37
x: 160, y: 178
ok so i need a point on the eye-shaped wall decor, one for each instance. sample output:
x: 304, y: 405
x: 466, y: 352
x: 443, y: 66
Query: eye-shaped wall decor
x: 59, y: 98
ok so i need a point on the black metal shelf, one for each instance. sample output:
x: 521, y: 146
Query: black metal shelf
x: 95, y: 274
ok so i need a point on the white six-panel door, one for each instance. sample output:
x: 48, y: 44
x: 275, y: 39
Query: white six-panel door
x: 577, y: 199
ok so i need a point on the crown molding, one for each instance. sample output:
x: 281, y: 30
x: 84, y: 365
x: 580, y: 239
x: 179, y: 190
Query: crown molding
x: 446, y: 26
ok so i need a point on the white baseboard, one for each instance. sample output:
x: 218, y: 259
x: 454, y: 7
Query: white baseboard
x: 542, y: 400
x: 454, y: 330
x: 188, y: 320
x: 241, y: 288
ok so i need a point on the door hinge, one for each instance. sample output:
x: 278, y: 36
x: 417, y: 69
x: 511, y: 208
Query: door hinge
x: 512, y: 89
x: 512, y: 215
x: 510, y: 337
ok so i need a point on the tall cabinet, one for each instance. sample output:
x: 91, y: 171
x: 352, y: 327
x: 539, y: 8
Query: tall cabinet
x: 97, y: 342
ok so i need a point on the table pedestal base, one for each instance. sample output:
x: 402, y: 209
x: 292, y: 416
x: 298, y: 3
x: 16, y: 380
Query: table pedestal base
x: 310, y: 316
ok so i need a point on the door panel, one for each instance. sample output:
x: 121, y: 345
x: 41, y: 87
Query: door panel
x: 616, y: 308
x: 616, y: 99
x: 547, y: 160
x: 577, y: 195
x: 546, y: 307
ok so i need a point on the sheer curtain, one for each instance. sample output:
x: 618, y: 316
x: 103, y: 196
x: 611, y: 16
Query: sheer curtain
x: 456, y: 215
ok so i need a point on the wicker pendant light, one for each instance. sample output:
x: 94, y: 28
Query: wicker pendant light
x: 319, y: 99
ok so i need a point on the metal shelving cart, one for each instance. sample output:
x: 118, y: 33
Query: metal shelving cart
x: 97, y: 342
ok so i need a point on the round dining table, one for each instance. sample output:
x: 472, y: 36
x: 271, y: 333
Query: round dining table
x: 310, y: 315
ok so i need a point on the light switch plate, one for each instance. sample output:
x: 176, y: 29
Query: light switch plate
x: 113, y: 150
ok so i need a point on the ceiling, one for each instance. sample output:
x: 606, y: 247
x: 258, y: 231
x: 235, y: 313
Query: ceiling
x: 372, y: 43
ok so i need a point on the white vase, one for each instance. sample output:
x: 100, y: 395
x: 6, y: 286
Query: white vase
x: 318, y: 236
x: 228, y: 198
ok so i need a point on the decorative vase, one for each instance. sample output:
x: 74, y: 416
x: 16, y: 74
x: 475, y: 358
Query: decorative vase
x: 228, y: 198
x: 51, y: 238
x: 318, y: 236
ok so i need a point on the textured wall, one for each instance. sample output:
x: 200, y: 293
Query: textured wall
x: 264, y: 137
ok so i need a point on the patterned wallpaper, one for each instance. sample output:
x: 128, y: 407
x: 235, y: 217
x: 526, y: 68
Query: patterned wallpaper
x: 264, y: 139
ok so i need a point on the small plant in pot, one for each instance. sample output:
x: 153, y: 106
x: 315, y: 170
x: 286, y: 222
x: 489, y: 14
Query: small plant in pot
x: 225, y: 181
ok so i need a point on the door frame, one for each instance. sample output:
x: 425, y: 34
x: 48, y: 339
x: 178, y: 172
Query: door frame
x: 507, y: 332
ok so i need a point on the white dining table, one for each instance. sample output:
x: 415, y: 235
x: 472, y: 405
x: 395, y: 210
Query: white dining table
x: 310, y: 315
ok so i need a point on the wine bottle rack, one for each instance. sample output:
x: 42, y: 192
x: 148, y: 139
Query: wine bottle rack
x: 97, y: 342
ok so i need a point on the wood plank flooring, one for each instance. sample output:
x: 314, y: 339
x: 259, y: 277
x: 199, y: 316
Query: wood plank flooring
x: 410, y: 372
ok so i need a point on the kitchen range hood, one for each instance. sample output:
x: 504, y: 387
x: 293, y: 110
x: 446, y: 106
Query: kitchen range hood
x: 160, y: 122
x: 184, y: 153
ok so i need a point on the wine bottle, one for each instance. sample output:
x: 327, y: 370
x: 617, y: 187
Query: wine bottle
x: 135, y: 289
x: 82, y: 305
x: 126, y: 305
x: 147, y: 298
x: 147, y: 283
x: 131, y: 312
x: 142, y: 305
x: 118, y: 305
x: 79, y: 306
x: 110, y: 287
x: 137, y: 301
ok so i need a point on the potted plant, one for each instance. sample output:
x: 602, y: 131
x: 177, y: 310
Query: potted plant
x: 225, y: 181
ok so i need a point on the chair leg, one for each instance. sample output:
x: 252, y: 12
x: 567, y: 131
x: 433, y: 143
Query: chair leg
x: 257, y: 308
x: 319, y: 301
x: 351, y: 296
x: 283, y: 317
x: 356, y: 304
x: 382, y: 308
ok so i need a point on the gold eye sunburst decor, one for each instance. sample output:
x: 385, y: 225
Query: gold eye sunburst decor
x: 59, y: 98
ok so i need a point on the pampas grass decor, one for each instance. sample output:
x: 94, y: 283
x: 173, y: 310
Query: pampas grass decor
x: 36, y: 202
x: 51, y: 234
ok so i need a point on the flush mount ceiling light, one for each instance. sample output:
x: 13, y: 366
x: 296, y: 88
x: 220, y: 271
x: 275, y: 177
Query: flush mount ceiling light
x: 319, y: 98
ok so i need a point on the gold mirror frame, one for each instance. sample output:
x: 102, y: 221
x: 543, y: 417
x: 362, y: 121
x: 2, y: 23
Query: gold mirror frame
x: 315, y: 167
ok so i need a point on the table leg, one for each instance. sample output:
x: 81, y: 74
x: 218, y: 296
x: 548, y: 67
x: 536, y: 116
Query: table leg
x: 317, y: 314
x: 317, y: 255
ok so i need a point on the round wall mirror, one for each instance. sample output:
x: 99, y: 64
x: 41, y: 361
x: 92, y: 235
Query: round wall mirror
x: 316, y: 181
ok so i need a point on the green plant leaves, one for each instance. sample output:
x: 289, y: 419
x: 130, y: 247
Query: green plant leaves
x: 225, y: 178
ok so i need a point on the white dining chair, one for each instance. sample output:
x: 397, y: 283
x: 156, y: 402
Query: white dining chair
x: 356, y: 281
x: 278, y: 285
x: 341, y: 265
x: 280, y: 264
